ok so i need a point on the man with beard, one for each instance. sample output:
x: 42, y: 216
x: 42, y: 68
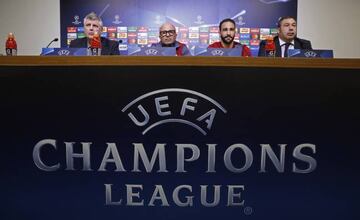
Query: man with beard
x: 227, y: 29
x: 167, y: 35
x: 286, y: 39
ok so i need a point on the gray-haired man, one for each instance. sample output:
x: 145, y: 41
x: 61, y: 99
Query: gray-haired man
x: 93, y: 24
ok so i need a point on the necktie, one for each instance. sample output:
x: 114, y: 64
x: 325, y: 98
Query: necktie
x: 287, y: 45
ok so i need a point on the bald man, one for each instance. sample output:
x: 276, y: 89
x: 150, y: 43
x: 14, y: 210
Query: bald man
x: 167, y: 35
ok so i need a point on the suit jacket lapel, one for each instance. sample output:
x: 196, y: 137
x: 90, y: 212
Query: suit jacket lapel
x: 297, y: 44
x: 84, y: 42
x: 104, y: 47
x: 278, y: 47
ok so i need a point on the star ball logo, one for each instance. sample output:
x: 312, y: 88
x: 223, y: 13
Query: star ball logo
x: 152, y: 52
x: 310, y: 54
x: 64, y: 53
x: 217, y: 53
x: 160, y: 107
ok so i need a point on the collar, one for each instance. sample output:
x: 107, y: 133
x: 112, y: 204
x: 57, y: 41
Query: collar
x: 175, y: 44
x: 282, y: 43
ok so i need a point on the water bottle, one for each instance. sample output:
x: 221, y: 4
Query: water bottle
x: 270, y: 47
x: 11, y: 46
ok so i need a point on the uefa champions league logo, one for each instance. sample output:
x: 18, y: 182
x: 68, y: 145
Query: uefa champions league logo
x: 184, y: 107
x: 199, y: 20
x: 152, y: 52
x: 217, y: 53
x: 310, y: 54
x: 63, y: 52
x: 76, y: 20
x: 117, y: 19
x: 240, y: 20
x: 158, y: 20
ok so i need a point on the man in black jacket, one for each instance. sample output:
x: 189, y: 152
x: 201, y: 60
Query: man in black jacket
x: 286, y: 39
x: 93, y: 24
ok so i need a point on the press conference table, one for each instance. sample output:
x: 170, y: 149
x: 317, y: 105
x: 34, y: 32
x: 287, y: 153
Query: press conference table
x: 180, y: 61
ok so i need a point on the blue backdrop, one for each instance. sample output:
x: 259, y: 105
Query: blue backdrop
x: 137, y: 21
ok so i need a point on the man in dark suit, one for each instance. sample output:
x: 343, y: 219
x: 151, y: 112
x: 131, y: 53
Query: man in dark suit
x: 93, y: 24
x: 286, y: 39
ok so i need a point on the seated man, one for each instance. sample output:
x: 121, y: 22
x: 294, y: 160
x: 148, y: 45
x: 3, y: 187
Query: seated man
x: 286, y: 39
x: 167, y: 35
x: 227, y: 36
x: 93, y: 24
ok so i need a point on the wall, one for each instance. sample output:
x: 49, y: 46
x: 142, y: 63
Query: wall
x: 328, y: 24
x: 331, y: 24
x: 34, y: 22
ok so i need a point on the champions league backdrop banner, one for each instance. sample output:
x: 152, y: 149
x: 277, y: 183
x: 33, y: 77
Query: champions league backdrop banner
x: 206, y: 143
x: 138, y: 21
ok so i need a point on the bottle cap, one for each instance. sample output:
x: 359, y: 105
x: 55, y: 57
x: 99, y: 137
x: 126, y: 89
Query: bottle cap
x: 11, y: 35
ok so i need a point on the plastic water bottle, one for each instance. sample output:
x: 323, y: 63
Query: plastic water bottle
x: 270, y: 50
x: 11, y: 46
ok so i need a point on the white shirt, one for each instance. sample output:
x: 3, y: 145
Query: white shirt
x: 282, y: 45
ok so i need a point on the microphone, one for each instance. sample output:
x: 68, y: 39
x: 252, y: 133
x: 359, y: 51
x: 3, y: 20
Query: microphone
x: 54, y: 40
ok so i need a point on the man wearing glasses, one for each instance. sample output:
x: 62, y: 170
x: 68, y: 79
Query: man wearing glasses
x: 167, y: 35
